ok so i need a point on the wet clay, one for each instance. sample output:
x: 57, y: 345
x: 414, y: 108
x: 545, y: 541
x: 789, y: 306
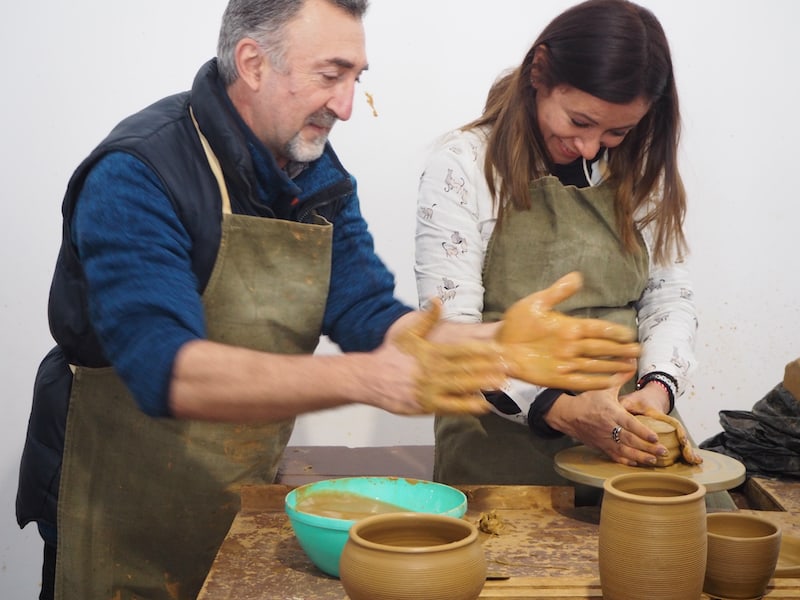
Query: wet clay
x: 451, y: 376
x: 490, y: 522
x: 552, y: 349
x: 344, y: 505
x: 689, y: 455
x: 667, y: 436
x: 371, y: 102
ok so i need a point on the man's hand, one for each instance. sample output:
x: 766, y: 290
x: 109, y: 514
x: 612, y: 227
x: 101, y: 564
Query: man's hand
x: 551, y: 349
x: 451, y: 376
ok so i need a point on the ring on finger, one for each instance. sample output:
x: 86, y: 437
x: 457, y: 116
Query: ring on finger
x: 615, y: 433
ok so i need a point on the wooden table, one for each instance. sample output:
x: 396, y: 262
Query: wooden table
x: 547, y: 548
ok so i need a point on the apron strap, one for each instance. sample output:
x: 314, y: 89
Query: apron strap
x: 216, y: 168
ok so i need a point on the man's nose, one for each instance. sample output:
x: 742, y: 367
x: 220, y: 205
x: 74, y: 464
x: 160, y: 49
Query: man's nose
x: 342, y: 101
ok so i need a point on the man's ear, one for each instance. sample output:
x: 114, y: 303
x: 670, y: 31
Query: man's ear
x: 250, y: 62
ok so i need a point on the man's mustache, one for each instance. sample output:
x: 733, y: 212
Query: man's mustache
x: 323, y: 118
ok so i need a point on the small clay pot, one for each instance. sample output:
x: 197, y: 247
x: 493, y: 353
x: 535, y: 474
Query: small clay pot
x: 652, y: 538
x: 667, y: 437
x: 742, y: 554
x: 412, y: 555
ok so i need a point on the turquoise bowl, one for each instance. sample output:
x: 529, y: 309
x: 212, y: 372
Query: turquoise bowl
x: 323, y: 538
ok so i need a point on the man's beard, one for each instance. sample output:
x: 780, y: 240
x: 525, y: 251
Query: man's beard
x: 301, y: 150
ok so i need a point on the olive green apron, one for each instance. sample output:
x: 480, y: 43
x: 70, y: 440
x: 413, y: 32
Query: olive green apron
x: 566, y: 229
x: 145, y: 502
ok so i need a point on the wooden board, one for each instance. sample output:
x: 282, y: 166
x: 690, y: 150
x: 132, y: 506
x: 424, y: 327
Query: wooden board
x: 772, y: 494
x: 546, y: 549
x: 304, y: 464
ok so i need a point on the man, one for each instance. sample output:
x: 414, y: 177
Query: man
x: 208, y: 241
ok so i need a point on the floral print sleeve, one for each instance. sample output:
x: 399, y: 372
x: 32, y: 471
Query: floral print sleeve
x: 455, y: 219
x: 668, y: 321
x: 454, y: 222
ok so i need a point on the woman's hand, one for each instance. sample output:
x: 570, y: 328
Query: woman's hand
x: 651, y: 401
x: 592, y: 417
x: 551, y: 349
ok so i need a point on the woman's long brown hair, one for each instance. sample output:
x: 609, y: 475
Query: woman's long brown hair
x: 617, y: 51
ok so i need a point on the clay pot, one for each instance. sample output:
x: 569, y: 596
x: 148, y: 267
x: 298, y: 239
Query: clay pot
x: 652, y: 540
x: 667, y: 436
x: 412, y: 555
x: 742, y: 554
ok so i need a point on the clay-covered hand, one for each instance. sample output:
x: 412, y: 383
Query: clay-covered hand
x: 688, y: 453
x: 590, y: 417
x: 551, y: 349
x: 451, y: 376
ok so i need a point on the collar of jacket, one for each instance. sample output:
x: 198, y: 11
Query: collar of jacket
x: 252, y: 175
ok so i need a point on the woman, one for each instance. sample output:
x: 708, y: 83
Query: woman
x: 572, y: 166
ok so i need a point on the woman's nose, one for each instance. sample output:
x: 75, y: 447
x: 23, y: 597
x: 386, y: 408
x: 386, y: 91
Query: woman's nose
x: 587, y: 146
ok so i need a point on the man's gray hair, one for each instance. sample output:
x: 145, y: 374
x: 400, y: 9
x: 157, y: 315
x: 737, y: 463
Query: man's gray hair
x: 264, y: 22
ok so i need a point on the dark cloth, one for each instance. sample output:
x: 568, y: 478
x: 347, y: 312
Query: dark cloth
x: 575, y: 172
x: 40, y: 470
x: 767, y: 439
x: 48, y: 572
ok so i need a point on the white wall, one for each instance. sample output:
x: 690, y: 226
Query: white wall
x: 72, y: 70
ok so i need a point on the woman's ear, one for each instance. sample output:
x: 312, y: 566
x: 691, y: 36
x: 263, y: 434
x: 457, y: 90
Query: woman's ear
x: 539, y: 67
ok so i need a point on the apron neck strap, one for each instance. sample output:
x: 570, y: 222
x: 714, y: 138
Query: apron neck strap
x: 216, y: 168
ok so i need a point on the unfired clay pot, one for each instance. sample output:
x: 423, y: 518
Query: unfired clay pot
x: 742, y: 554
x: 652, y: 537
x: 667, y: 436
x: 401, y: 556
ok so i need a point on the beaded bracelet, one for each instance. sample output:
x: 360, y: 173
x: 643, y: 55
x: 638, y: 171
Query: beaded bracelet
x: 666, y: 380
